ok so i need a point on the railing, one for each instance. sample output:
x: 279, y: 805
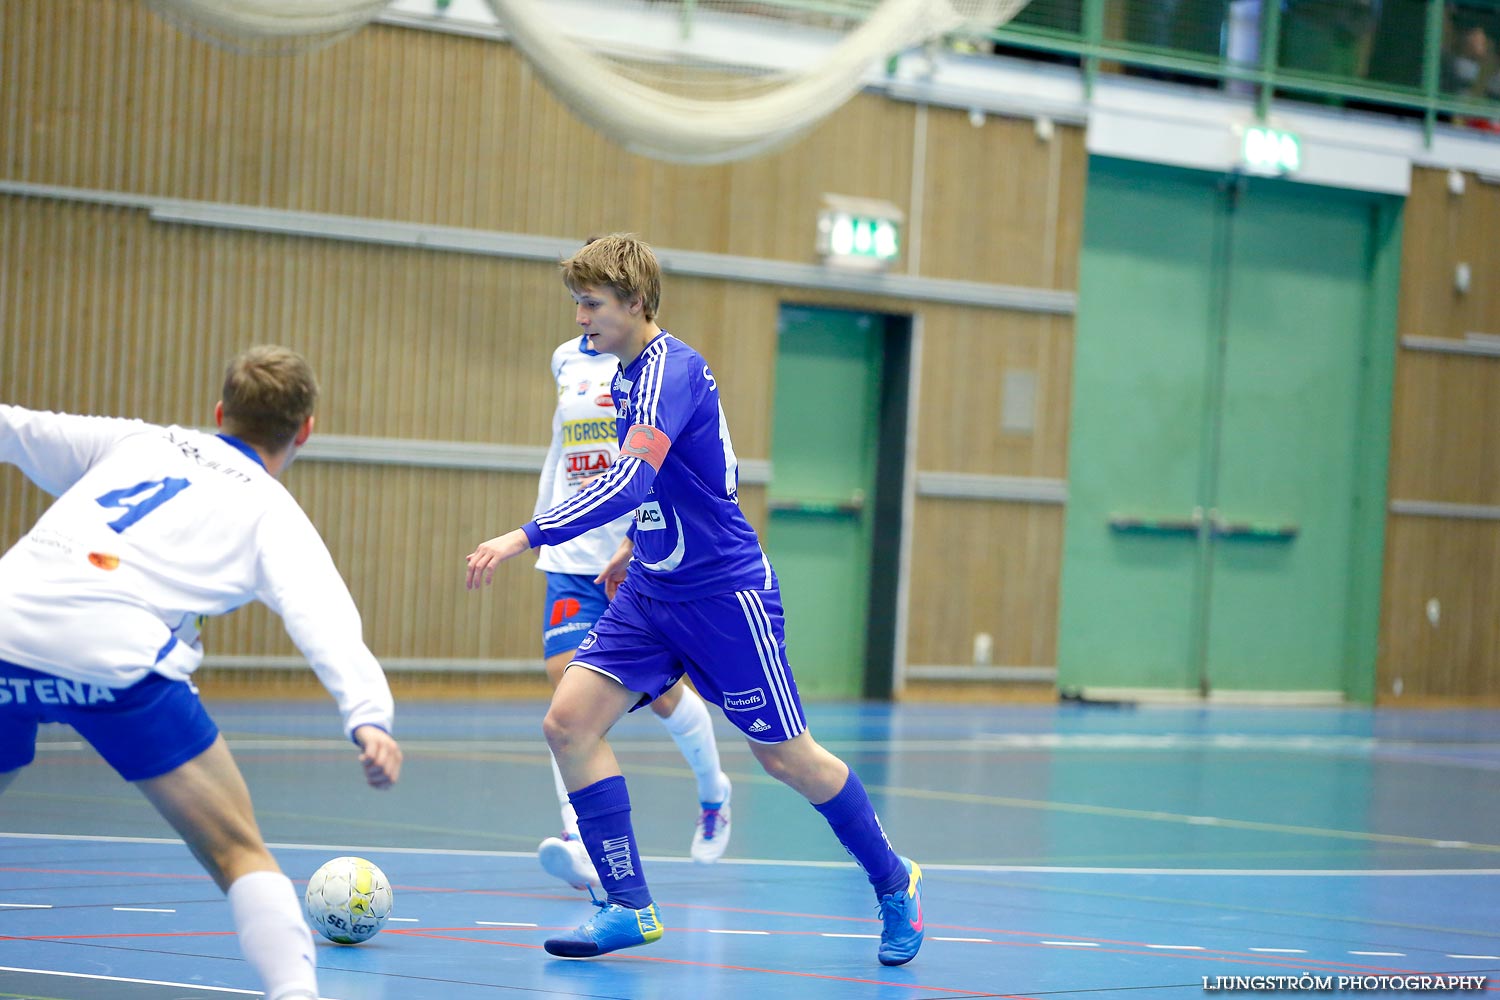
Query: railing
x: 1417, y: 58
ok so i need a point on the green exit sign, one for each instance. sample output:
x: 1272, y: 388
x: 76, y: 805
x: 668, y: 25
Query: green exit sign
x: 859, y: 233
x: 1269, y: 149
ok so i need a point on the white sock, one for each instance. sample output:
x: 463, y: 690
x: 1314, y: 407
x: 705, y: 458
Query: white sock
x: 274, y: 937
x: 693, y: 730
x: 569, y: 814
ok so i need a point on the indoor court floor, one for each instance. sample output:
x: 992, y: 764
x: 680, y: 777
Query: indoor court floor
x: 1070, y: 850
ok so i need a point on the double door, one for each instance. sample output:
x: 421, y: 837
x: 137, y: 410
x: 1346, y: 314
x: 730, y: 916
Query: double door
x: 1229, y: 434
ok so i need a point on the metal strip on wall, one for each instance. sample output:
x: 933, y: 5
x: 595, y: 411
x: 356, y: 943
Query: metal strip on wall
x: 1437, y: 508
x: 454, y: 239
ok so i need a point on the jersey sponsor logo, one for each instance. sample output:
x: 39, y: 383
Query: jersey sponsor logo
x: 51, y: 691
x: 563, y: 607
x: 605, y: 400
x: 584, y: 464
x: 710, y: 376
x: 752, y: 700
x: 583, y: 386
x: 648, y: 517
x: 588, y: 640
x: 591, y: 431
x: 104, y: 561
x: 759, y: 726
x: 565, y: 629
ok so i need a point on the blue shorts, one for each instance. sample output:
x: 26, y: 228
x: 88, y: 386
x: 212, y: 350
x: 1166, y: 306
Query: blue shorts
x: 142, y: 731
x: 732, y: 647
x: 574, y: 603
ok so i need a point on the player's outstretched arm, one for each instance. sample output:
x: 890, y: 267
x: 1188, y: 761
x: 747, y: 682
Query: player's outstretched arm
x: 380, y: 756
x: 614, y: 571
x: 484, y: 560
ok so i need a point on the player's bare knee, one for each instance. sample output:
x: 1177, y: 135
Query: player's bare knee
x: 563, y: 733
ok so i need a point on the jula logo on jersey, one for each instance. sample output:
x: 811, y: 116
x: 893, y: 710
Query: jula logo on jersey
x: 588, y: 463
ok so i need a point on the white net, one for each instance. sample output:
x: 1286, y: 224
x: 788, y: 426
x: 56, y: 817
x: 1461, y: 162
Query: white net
x: 699, y: 81
x: 689, y: 81
x: 269, y: 27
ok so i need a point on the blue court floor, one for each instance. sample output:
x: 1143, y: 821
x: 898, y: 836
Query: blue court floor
x: 1072, y: 851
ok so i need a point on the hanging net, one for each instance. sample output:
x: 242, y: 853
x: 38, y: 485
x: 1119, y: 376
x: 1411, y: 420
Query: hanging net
x: 690, y: 81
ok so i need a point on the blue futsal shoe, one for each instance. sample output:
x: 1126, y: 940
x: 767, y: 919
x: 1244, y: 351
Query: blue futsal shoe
x: 901, y: 915
x: 612, y: 928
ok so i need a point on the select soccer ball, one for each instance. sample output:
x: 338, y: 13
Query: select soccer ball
x: 348, y: 900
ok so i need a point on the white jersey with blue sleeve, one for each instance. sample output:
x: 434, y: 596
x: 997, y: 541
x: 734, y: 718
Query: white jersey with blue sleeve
x: 678, y: 472
x: 584, y: 446
x: 155, y: 528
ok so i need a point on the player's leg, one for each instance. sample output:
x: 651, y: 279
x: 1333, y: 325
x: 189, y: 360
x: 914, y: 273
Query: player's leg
x: 751, y: 679
x: 157, y: 736
x: 619, y: 657
x: 686, y: 717
x: 573, y: 603
x: 18, y: 723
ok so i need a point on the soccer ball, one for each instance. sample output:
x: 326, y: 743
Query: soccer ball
x: 348, y: 900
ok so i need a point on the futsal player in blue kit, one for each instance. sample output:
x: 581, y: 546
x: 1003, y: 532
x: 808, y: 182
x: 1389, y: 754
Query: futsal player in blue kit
x: 700, y: 597
x: 100, y: 605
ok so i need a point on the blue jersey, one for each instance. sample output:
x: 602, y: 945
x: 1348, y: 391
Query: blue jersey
x: 678, y: 472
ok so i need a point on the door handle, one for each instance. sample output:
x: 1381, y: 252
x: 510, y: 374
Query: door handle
x: 1252, y: 531
x: 852, y: 507
x: 1141, y: 524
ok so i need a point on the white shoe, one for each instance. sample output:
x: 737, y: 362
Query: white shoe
x: 711, y: 837
x: 566, y: 858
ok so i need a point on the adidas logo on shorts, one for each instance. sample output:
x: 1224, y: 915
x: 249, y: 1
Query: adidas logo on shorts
x: 759, y: 726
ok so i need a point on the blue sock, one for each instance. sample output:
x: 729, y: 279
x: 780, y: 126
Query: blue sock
x: 604, y: 822
x: 855, y: 824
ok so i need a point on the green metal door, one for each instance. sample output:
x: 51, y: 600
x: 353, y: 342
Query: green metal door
x: 1232, y: 366
x: 1293, y: 453
x: 1130, y: 594
x: 825, y: 432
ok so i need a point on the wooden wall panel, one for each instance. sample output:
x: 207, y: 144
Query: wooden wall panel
x: 1444, y: 415
x: 1457, y: 565
x: 965, y: 355
x: 993, y: 199
x: 1445, y: 409
x: 985, y: 567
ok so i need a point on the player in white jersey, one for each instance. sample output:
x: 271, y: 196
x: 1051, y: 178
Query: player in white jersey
x: 153, y: 529
x: 700, y: 598
x: 583, y: 448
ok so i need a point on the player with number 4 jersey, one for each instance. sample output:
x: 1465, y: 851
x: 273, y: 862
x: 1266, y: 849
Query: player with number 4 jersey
x: 154, y: 529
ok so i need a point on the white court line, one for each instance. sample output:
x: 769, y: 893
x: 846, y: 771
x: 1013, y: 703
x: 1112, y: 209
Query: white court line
x: 143, y: 982
x: 1176, y: 947
x: 501, y: 923
x: 139, y: 909
x: 715, y: 930
x: 871, y: 937
x: 1487, y: 957
x: 776, y: 863
x: 26, y: 906
x: 404, y: 920
x: 1072, y: 944
x: 971, y: 940
x: 1281, y: 951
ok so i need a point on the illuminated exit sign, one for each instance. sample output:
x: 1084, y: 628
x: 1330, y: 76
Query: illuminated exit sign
x: 1268, y: 150
x: 860, y: 233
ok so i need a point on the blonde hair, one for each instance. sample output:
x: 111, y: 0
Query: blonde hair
x: 622, y: 262
x: 269, y: 392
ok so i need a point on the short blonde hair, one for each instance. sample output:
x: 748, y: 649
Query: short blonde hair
x: 622, y: 262
x: 269, y: 392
